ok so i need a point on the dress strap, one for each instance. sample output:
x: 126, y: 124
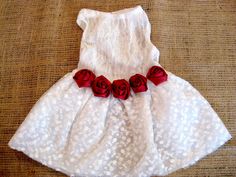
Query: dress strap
x: 84, y: 16
x: 82, y: 19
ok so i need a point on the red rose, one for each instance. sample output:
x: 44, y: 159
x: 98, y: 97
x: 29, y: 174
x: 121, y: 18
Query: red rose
x: 84, y: 78
x: 138, y: 83
x: 157, y: 75
x: 121, y: 89
x: 101, y: 87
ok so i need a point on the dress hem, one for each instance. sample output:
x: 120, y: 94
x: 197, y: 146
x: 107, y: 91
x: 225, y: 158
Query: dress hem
x: 183, y: 165
x: 188, y: 163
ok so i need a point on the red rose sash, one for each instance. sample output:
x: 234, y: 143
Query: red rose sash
x: 120, y: 88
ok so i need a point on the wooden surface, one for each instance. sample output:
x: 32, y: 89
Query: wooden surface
x: 40, y: 41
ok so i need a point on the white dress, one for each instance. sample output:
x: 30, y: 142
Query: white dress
x: 168, y: 127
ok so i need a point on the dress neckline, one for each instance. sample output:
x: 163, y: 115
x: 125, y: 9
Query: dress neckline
x: 121, y: 12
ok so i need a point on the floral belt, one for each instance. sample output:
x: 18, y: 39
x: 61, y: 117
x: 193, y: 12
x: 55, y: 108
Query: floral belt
x: 120, y: 88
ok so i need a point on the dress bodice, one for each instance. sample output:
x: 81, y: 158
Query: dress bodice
x: 116, y: 44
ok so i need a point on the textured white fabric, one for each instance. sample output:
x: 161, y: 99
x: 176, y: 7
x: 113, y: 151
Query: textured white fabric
x: 170, y: 126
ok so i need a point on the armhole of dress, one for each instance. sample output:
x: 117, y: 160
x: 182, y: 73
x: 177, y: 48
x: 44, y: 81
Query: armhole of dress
x: 82, y: 20
x: 155, y: 50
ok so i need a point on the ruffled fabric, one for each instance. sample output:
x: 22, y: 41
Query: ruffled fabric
x: 151, y: 133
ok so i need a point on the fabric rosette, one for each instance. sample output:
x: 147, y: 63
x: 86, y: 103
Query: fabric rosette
x: 101, y: 86
x: 121, y: 89
x: 157, y: 75
x: 84, y: 78
x: 138, y: 83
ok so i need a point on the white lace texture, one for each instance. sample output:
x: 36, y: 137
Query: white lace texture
x: 168, y: 127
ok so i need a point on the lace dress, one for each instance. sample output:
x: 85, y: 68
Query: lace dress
x: 168, y: 127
